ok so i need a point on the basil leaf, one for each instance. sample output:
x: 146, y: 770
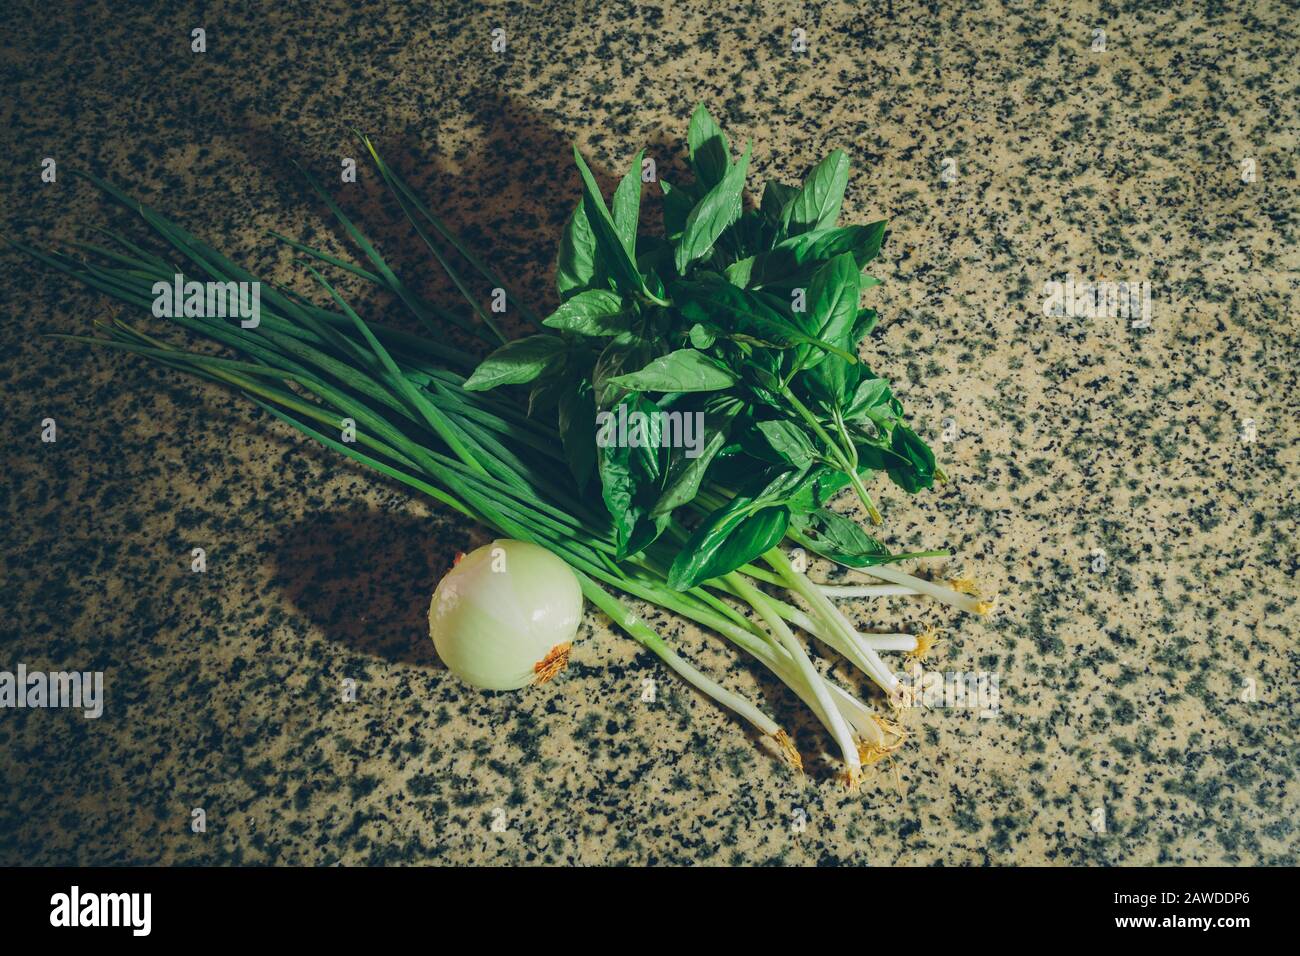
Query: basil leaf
x: 789, y: 442
x: 678, y: 204
x: 597, y: 312
x: 618, y: 489
x: 617, y: 357
x: 701, y: 337
x: 762, y: 373
x: 719, y: 208
x: 838, y: 538
x: 878, y: 457
x: 609, y: 245
x: 686, y: 474
x: 742, y: 316
x: 795, y: 256
x: 629, y: 458
x: 831, y: 382
x: 627, y: 206
x: 544, y: 396
x: 685, y: 370
x: 684, y: 482
x: 817, y: 488
x: 743, y: 239
x: 733, y: 535
x: 517, y: 362
x: 734, y: 313
x: 648, y: 528
x: 842, y: 532
x: 833, y: 300
x: 919, y: 470
x: 776, y: 196
x: 739, y: 272
x: 863, y: 241
x: 707, y: 147
x: 832, y: 307
x: 577, y: 419
x: 817, y: 204
x: 865, y: 323
x: 761, y: 532
x: 775, y: 485
x: 871, y: 399
x: 575, y: 267
x: 645, y: 434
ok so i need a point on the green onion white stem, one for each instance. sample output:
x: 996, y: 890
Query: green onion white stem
x: 778, y: 659
x: 906, y: 643
x: 835, y: 622
x: 867, y: 590
x: 878, y: 642
x: 838, y: 726
x: 963, y: 602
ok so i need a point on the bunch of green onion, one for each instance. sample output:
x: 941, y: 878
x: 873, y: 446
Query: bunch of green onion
x: 313, y: 366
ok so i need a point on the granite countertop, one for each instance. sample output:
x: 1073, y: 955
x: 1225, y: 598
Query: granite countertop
x: 1127, y: 493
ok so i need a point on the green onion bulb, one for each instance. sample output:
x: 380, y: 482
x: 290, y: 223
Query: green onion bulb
x: 505, y: 616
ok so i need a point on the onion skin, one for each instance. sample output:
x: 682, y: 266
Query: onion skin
x: 503, y: 617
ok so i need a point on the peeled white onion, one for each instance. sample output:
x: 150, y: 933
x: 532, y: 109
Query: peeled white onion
x: 505, y: 616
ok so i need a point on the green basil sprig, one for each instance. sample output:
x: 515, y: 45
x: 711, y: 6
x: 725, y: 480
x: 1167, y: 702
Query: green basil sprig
x: 748, y: 318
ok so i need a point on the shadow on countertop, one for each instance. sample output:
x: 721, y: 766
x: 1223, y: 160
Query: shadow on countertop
x: 365, y: 577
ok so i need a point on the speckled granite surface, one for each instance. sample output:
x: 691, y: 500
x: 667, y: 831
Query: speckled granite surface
x: 1125, y: 690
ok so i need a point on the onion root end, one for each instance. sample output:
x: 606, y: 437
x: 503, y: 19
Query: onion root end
x: 555, y: 661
